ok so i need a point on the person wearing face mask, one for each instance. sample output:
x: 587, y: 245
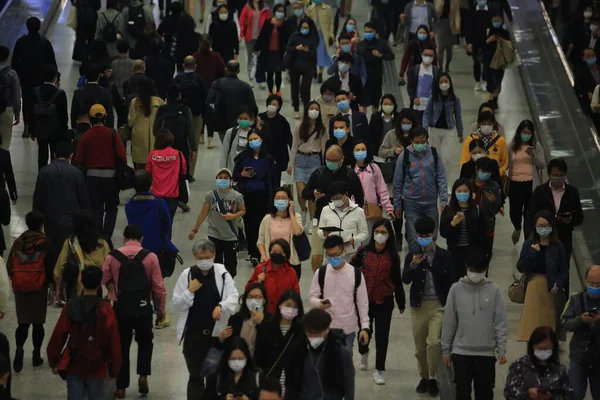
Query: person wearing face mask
x: 581, y: 317
x: 478, y: 24
x: 223, y: 34
x: 235, y: 140
x: 494, y: 73
x: 301, y: 61
x: 560, y: 199
x: 205, y: 295
x: 359, y: 124
x: 322, y: 367
x: 358, y: 63
x: 271, y: 47
x: 276, y: 273
x: 469, y: 169
x: 223, y: 208
x: 279, y: 133
x: 498, y: 127
x: 233, y: 11
x: 327, y: 102
x: 342, y: 138
x: 475, y: 329
x: 429, y: 271
x: 346, y: 80
x: 374, y: 50
x: 539, y: 375
x: 383, y: 122
x: 543, y: 260
x: 237, y: 377
x: 350, y: 28
x: 494, y: 145
x: 380, y: 264
x: 415, y: 14
x: 397, y: 139
x: 296, y: 14
x: 282, y: 222
x: 412, y: 52
x: 421, y: 78
x: 587, y: 77
x: 279, y: 338
x: 580, y: 31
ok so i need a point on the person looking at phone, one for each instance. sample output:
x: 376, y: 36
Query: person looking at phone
x: 237, y: 378
x: 430, y: 272
x: 539, y: 375
x: 581, y: 316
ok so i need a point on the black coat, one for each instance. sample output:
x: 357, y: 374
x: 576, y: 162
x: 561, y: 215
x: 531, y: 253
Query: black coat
x: 412, y: 80
x: 29, y: 56
x: 478, y: 23
x: 7, y: 177
x: 356, y: 88
x: 359, y: 129
x: 278, y: 139
x: 160, y: 70
x: 301, y: 61
x: 264, y: 41
x: 584, y: 84
x: 238, y: 94
x: 376, y: 133
x: 224, y: 38
x: 86, y: 97
x: 47, y: 91
x: 60, y: 190
x: 452, y: 233
x: 269, y: 354
x: 442, y: 271
x: 290, y: 26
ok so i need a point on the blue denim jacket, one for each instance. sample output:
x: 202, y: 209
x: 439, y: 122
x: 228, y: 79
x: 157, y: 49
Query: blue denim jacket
x: 453, y: 113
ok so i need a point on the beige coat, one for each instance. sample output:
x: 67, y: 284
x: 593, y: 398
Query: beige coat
x: 389, y: 144
x: 142, y: 137
x: 325, y: 20
x: 264, y: 237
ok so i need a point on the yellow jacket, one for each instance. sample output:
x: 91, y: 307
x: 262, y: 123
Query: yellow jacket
x: 498, y: 151
x: 325, y: 19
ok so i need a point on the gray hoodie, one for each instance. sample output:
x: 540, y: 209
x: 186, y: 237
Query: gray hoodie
x: 474, y: 320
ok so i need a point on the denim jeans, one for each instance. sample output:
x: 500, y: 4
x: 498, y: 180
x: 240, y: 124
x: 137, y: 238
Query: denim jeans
x: 79, y: 386
x: 579, y: 376
x: 350, y: 341
x: 412, y: 211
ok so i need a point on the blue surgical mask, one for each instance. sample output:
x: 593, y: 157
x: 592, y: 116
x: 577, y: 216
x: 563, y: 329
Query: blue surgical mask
x: 346, y: 48
x: 279, y: 14
x: 526, y: 137
x: 462, y: 197
x: 332, y: 166
x: 298, y: 12
x: 543, y: 231
x: 244, y: 124
x: 339, y: 133
x: 304, y: 31
x: 484, y: 176
x: 424, y: 241
x: 281, y: 205
x: 591, y: 61
x: 592, y: 291
x: 350, y: 28
x: 369, y: 36
x: 419, y: 147
x: 343, y: 67
x: 255, y: 144
x: 336, y: 262
x: 496, y: 24
x: 422, y: 36
x: 360, y: 155
x: 223, y: 183
x: 343, y: 105
x: 481, y: 4
x: 406, y: 127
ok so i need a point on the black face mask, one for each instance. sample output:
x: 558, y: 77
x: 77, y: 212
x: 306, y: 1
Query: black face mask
x: 277, y: 258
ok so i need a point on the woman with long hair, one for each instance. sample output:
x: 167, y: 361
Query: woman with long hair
x: 308, y: 148
x: 487, y: 107
x: 351, y: 28
x: 237, y: 374
x: 254, y: 15
x: 271, y: 47
x: 142, y: 112
x: 380, y: 264
x: 397, y: 139
x: 460, y: 225
x: 526, y: 162
x: 383, y: 122
x: 544, y: 261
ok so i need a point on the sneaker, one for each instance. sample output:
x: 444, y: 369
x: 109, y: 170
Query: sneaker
x: 18, y: 361
x: 432, y: 388
x: 201, y: 141
x: 210, y: 144
x: 516, y: 235
x: 310, y: 230
x: 191, y: 179
x: 184, y: 207
x: 422, y: 386
x: 253, y: 262
x: 477, y: 87
x: 25, y: 132
x: 378, y: 377
x: 251, y: 83
x: 163, y: 324
x: 297, y: 116
x: 120, y: 394
x: 278, y: 94
x: 262, y: 85
x: 143, y: 385
x: 315, y: 222
x: 320, y: 78
x: 363, y: 364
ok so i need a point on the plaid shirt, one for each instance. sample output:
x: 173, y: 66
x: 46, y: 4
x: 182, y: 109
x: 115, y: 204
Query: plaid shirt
x: 122, y: 69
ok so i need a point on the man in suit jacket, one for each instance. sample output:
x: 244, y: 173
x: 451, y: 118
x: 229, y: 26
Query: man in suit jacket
x: 587, y: 76
x: 359, y: 125
x: 46, y: 92
x: 345, y: 80
x: 90, y: 94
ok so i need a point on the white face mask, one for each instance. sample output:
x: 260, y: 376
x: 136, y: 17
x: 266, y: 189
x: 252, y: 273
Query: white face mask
x: 205, y: 265
x: 486, y: 129
x: 387, y: 108
x: 338, y: 203
x: 587, y: 14
x: 444, y: 86
x: 315, y: 341
x: 288, y: 313
x: 542, y: 355
x: 476, y: 277
x: 476, y: 157
x: 271, y: 109
x: 313, y: 114
x: 223, y: 17
x: 427, y: 60
x: 252, y: 304
x: 380, y: 238
x: 236, y: 365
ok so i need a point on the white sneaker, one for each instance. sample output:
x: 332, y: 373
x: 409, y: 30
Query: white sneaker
x: 310, y: 230
x: 363, y: 364
x: 378, y: 377
x: 315, y: 222
x: 262, y: 85
x: 251, y: 83
x: 477, y: 87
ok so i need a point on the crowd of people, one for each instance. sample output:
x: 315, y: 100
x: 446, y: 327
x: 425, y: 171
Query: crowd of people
x: 368, y: 177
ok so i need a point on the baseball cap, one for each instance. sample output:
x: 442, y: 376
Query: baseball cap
x: 97, y: 111
x: 224, y: 170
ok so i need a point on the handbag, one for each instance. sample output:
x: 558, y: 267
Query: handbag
x: 516, y: 291
x: 124, y: 174
x: 302, y: 246
x: 504, y: 55
x: 372, y: 211
x: 184, y: 194
x: 211, y: 362
x: 387, y: 169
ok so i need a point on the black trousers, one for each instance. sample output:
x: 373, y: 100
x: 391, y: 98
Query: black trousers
x: 277, y: 83
x: 161, y: 4
x: 519, y: 196
x: 381, y: 314
x: 477, y: 64
x: 84, y: 36
x: 120, y: 107
x: 5, y: 351
x: 479, y: 371
x: 142, y: 325
x: 488, y: 247
x: 225, y: 254
x: 104, y: 203
x: 301, y: 83
x: 195, y: 349
x: 459, y: 255
x: 28, y: 96
x: 387, y: 19
x: 256, y: 208
x: 46, y: 150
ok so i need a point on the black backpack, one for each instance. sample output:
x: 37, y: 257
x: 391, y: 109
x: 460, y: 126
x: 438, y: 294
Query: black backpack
x: 45, y: 115
x: 216, y: 109
x: 193, y: 93
x: 136, y: 22
x: 4, y: 89
x: 109, y: 33
x: 174, y: 120
x: 133, y: 299
x: 357, y: 282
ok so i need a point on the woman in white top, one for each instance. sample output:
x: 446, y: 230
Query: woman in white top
x: 308, y: 147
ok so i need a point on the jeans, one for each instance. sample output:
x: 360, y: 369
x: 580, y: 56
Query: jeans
x: 79, y: 386
x: 251, y: 59
x: 43, y: 152
x: 350, y: 341
x: 382, y: 315
x: 104, y: 202
x: 579, y: 376
x: 477, y: 370
x: 142, y: 325
x: 412, y: 211
x: 225, y: 254
x: 519, y: 196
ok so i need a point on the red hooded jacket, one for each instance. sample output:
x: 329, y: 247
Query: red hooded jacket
x: 276, y: 282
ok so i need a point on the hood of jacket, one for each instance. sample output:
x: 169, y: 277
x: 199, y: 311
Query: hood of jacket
x: 81, y: 309
x: 476, y: 292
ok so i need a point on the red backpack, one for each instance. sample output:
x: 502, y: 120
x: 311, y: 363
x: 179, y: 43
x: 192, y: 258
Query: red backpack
x: 28, y: 272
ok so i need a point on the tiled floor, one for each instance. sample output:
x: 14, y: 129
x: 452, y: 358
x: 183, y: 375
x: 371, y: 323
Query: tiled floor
x: 170, y: 375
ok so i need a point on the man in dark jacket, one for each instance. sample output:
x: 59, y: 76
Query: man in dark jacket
x: 581, y: 317
x: 90, y: 94
x: 31, y: 53
x: 290, y: 25
x: 359, y: 124
x: 60, y: 193
x: 426, y: 72
x: 587, y: 76
x: 344, y: 79
x: 430, y: 273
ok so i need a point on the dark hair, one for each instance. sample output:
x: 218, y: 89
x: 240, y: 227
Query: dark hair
x: 338, y: 187
x: 243, y: 311
x: 5, y: 366
x: 371, y: 25
x: 390, y: 245
x: 186, y: 27
x: 261, y: 4
x: 91, y: 276
x: 33, y: 24
x: 289, y: 294
x: 63, y: 150
x: 157, y: 47
x: 340, y: 118
x: 285, y: 246
x: 133, y: 231
x: 304, y: 128
x: 270, y: 385
x: 428, y: 45
x: 424, y: 225
x: 476, y: 143
x: 486, y: 164
x: 517, y: 141
x: 163, y: 138
x: 114, y: 4
x: 418, y: 131
x: 346, y: 23
x: 332, y: 241
x: 84, y: 227
x: 173, y: 93
x: 539, y: 335
x: 453, y: 203
x: 274, y: 97
x: 476, y: 260
x: 344, y: 36
x: 302, y: 21
x: 262, y: 151
x: 92, y: 73
x: 277, y: 7
x: 245, y: 110
x: 437, y: 92
x: 394, y: 102
x: 535, y: 237
x: 123, y: 46
x: 327, y: 85
x: 486, y: 116
x: 99, y: 52
x: 50, y: 73
x: 346, y: 58
x: 248, y: 378
x: 34, y: 220
x: 557, y: 163
x: 341, y: 93
x: 4, y: 53
x: 145, y: 91
x: 142, y: 181
x: 408, y: 114
x: 487, y: 104
x: 317, y: 319
x: 290, y: 197
x: 369, y: 158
